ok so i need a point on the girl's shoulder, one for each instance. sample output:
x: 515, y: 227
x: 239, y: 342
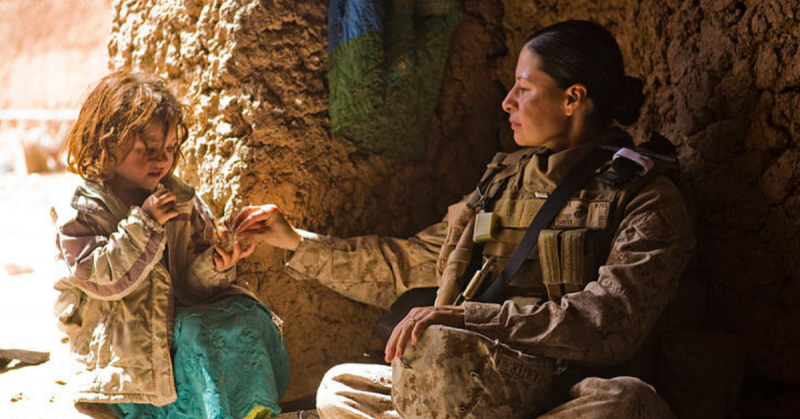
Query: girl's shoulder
x: 87, y: 201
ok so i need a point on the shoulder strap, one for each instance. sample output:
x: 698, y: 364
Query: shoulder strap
x: 575, y: 179
x: 657, y: 155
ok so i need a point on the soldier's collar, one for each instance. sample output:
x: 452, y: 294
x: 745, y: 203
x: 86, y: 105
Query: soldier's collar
x: 553, y: 167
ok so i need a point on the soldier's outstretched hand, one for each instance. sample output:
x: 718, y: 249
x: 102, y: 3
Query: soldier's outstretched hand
x: 267, y: 224
x: 415, y: 323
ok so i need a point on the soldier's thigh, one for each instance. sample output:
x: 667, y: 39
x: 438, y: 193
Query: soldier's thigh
x: 619, y: 397
x: 356, y: 391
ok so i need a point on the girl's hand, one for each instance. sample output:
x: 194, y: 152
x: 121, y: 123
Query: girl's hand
x: 224, y: 260
x: 415, y: 323
x: 161, y: 206
x: 268, y: 224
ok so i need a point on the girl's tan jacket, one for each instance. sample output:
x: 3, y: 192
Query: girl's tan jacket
x: 121, y: 274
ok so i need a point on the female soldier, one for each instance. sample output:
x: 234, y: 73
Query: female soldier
x: 606, y: 266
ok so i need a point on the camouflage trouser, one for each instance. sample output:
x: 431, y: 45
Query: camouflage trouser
x: 364, y: 391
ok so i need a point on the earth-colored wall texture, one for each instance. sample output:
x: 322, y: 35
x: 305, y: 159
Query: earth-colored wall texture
x: 722, y: 81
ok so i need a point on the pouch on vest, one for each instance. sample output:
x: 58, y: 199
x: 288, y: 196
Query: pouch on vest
x: 564, y: 261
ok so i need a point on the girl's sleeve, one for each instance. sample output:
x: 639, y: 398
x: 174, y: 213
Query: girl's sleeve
x: 203, y: 278
x: 110, y: 266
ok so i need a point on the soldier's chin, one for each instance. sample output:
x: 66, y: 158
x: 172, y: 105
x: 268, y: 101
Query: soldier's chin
x: 520, y: 139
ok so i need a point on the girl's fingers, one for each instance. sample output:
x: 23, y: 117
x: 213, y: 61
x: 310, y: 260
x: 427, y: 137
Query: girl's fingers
x: 171, y: 213
x: 222, y: 254
x: 166, y: 197
x: 249, y: 251
x: 218, y: 262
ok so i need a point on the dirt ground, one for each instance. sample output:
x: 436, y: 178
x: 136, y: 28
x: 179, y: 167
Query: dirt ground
x: 26, y: 299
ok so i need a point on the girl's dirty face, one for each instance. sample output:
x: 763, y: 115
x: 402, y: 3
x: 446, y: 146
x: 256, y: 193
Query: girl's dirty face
x: 150, y: 159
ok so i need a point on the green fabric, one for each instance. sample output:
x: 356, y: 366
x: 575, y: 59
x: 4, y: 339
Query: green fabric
x: 229, y: 362
x: 384, y: 87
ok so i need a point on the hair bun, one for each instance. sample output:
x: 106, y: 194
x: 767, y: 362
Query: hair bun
x: 629, y: 101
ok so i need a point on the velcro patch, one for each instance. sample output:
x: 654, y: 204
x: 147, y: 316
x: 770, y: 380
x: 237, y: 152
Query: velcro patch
x: 577, y: 213
x: 584, y: 214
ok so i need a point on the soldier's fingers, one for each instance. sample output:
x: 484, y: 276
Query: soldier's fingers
x: 419, y: 329
x: 253, y: 221
x: 402, y: 339
x: 391, y: 344
x: 246, y: 211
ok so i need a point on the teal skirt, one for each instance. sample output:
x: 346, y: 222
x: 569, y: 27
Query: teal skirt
x: 229, y: 361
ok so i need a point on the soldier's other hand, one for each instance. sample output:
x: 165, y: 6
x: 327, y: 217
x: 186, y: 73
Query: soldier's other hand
x: 224, y: 260
x: 161, y: 206
x: 415, y: 323
x: 268, y: 224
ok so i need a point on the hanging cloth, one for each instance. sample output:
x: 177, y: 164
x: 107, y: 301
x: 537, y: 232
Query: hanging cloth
x: 386, y: 60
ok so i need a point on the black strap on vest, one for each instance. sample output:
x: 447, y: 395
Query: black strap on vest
x: 575, y: 179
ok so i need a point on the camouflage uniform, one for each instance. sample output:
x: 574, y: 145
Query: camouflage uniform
x: 633, y: 243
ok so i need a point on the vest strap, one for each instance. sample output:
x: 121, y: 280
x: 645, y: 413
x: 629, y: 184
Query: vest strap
x: 575, y: 179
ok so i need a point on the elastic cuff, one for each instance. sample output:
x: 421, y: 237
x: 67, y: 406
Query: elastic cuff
x: 310, y: 256
x: 146, y: 219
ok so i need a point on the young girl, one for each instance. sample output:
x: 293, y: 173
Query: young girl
x: 156, y: 325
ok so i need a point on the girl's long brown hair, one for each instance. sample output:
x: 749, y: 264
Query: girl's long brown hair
x: 115, y: 113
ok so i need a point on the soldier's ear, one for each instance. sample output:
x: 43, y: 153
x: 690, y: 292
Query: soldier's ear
x: 576, y: 98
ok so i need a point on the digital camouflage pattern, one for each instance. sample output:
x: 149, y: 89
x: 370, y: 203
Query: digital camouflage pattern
x: 359, y: 391
x: 640, y: 238
x: 455, y: 373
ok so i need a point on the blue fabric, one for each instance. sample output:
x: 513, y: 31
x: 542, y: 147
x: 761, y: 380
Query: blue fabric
x: 228, y: 359
x: 348, y: 19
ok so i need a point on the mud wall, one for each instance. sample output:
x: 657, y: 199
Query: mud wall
x: 254, y: 76
x: 722, y: 83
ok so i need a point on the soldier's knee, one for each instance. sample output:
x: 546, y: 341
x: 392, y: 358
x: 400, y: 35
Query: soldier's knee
x: 330, y: 381
x: 628, y: 394
x: 337, y: 371
x: 633, y: 388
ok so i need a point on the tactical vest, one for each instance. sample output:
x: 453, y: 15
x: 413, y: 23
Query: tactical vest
x: 570, y: 252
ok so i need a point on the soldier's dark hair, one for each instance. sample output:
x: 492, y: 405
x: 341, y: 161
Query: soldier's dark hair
x: 583, y: 52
